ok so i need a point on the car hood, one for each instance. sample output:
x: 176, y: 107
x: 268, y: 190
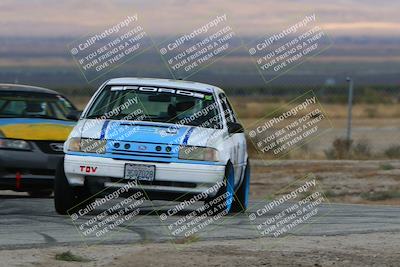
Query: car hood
x: 35, y: 129
x: 149, y: 132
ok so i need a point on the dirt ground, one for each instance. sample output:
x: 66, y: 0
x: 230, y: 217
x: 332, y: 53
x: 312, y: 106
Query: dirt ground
x: 345, y: 181
x: 351, y: 250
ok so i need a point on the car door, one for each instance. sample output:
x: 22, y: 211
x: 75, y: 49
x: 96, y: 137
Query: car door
x: 236, y: 141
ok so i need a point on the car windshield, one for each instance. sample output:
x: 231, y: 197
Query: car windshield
x: 34, y: 105
x: 167, y: 105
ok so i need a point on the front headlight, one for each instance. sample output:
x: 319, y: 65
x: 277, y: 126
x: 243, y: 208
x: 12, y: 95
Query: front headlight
x: 14, y: 144
x: 87, y: 145
x: 198, y: 153
x: 74, y: 144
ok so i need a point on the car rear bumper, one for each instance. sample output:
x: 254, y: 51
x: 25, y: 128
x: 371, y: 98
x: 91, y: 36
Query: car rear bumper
x: 172, y: 180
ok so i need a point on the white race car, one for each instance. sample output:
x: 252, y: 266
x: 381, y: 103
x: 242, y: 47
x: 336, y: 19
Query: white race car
x: 173, y: 139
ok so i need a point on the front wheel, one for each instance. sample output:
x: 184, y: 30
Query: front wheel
x: 64, y: 194
x: 242, y: 193
x: 222, y: 202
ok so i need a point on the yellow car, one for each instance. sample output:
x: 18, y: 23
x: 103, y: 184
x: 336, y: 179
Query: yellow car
x: 34, y: 123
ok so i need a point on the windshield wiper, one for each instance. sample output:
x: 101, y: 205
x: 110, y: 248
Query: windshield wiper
x: 44, y: 117
x: 124, y: 116
x: 99, y: 116
x: 95, y: 116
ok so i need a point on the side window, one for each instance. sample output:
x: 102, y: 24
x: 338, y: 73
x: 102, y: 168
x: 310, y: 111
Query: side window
x: 231, y: 110
x: 14, y: 107
x: 228, y: 112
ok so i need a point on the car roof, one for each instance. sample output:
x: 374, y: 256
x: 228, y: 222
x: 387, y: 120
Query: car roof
x: 25, y: 88
x: 181, y: 84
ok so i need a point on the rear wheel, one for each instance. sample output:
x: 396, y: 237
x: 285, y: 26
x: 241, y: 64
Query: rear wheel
x: 242, y: 194
x: 65, y: 197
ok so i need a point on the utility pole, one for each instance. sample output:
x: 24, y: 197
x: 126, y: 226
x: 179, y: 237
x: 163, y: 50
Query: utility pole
x: 350, y: 107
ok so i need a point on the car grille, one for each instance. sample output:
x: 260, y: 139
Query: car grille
x: 144, y: 150
x: 141, y: 154
x: 50, y: 147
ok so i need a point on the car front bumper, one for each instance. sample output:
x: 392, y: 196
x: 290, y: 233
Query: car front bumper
x: 172, y: 180
x: 27, y: 170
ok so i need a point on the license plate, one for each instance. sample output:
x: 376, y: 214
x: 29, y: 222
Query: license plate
x: 140, y: 172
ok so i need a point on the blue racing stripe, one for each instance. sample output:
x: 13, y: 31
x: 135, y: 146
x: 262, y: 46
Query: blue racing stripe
x: 189, y: 132
x: 103, y: 130
x: 7, y: 121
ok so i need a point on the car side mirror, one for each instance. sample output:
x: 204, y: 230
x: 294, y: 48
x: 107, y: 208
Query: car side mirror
x: 234, y: 127
x: 74, y: 115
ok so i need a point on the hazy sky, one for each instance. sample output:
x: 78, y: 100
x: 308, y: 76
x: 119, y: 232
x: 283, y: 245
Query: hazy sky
x: 171, y: 17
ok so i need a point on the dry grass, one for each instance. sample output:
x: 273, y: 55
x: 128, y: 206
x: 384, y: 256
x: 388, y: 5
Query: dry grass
x: 249, y: 107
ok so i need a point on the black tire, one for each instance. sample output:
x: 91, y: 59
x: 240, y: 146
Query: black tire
x: 228, y: 187
x: 41, y: 193
x: 242, y: 193
x: 64, y: 194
